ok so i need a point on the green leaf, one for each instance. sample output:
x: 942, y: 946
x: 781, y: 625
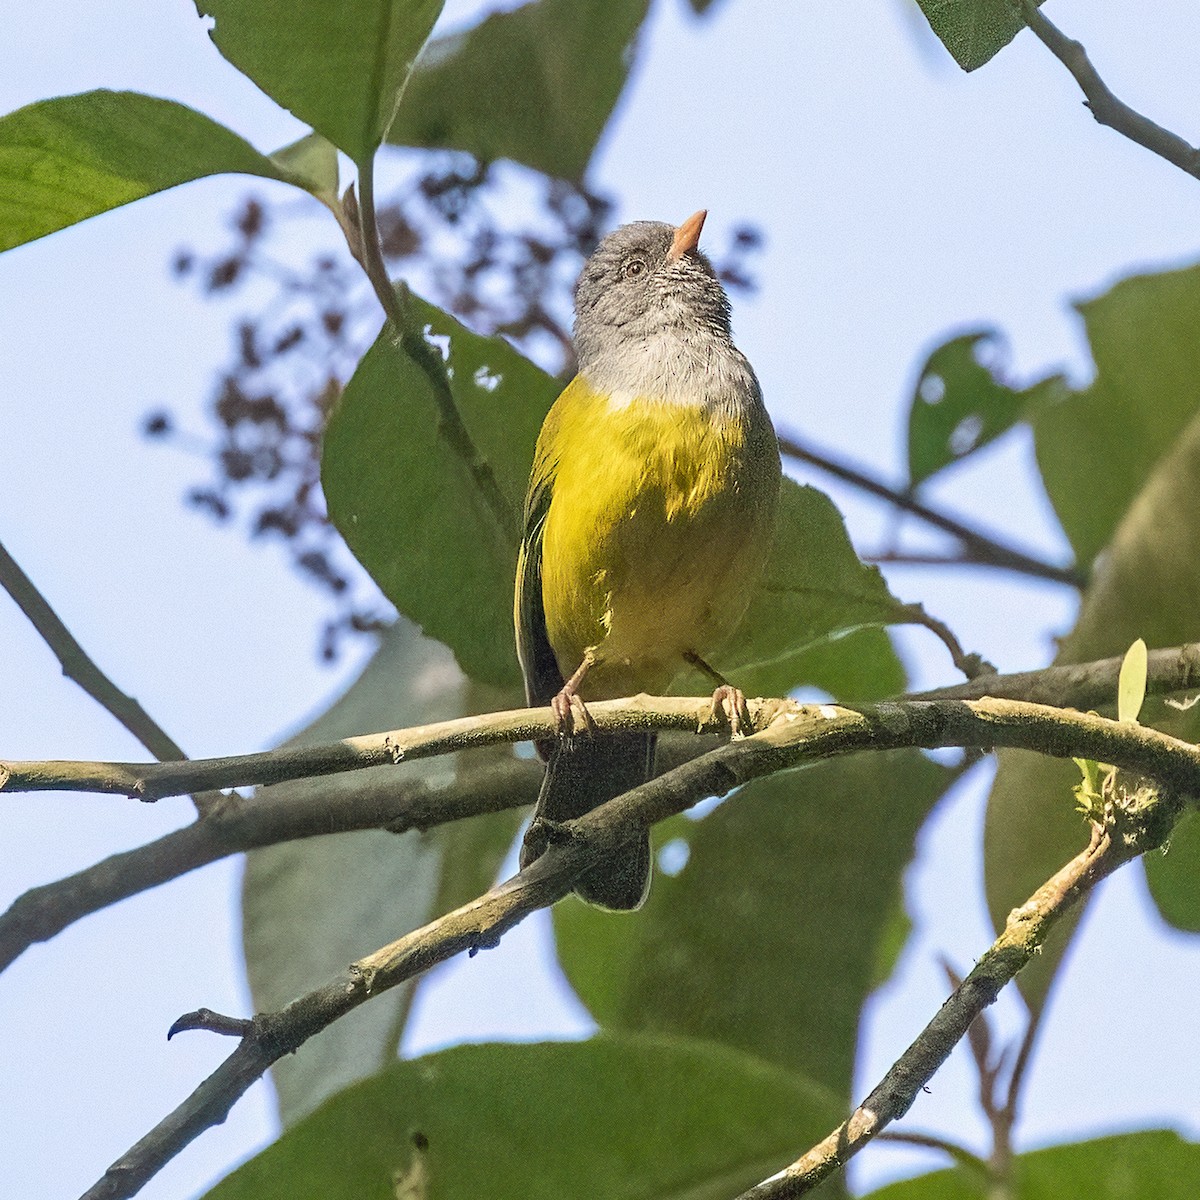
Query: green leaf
x: 861, y: 665
x: 311, y: 906
x: 815, y: 590
x: 612, y: 1118
x: 961, y: 402
x: 1153, y: 1165
x: 1098, y: 446
x: 1131, y: 683
x: 973, y: 30
x: 67, y: 159
x: 408, y: 506
x: 340, y: 67
x: 753, y: 944
x: 537, y: 84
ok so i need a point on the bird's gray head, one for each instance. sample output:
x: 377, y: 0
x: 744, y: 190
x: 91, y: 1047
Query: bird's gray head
x: 648, y: 291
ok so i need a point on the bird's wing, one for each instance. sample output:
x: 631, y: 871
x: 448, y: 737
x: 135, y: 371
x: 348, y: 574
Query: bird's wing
x: 543, y: 679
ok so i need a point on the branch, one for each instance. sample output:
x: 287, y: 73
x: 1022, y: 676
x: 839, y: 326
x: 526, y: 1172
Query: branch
x: 979, y: 548
x: 1126, y: 834
x: 1107, y: 108
x: 396, y: 302
x: 238, y: 824
x: 78, y: 666
x: 1080, y: 685
x: 797, y: 734
x: 154, y: 781
x: 278, y: 816
x: 814, y: 731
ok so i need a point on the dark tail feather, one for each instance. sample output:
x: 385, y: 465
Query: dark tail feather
x: 593, y: 770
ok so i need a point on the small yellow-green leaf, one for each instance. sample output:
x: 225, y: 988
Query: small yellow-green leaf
x: 1131, y: 683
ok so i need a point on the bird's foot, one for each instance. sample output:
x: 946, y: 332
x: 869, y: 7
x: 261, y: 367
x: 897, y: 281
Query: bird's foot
x: 570, y: 713
x: 731, y: 702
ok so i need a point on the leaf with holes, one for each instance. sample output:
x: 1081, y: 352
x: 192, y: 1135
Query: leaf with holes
x: 962, y: 402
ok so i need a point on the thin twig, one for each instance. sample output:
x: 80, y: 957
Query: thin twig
x: 279, y: 815
x: 79, y: 667
x: 979, y: 548
x: 273, y: 816
x: 1080, y: 685
x: 585, y: 841
x: 396, y: 302
x: 1106, y: 107
x: 973, y: 666
x: 1123, y: 838
x: 810, y: 732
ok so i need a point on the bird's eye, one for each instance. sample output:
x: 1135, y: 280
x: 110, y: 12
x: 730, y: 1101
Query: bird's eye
x: 633, y: 267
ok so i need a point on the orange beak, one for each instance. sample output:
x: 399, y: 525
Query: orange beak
x: 687, y: 236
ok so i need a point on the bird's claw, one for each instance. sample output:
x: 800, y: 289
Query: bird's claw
x: 571, y: 715
x: 730, y: 702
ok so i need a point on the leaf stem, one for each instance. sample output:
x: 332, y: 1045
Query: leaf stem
x: 1107, y: 108
x: 395, y: 300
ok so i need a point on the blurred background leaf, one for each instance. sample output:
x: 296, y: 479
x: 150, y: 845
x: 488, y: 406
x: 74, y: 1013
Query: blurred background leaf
x: 805, y: 867
x: 537, y: 84
x: 309, y: 907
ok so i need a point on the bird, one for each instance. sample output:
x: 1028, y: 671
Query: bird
x: 647, y: 524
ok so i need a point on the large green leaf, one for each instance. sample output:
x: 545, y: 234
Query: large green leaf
x: 1097, y: 447
x: 973, y: 30
x: 610, y: 1119
x: 309, y: 907
x: 753, y: 944
x: 1153, y: 1165
x: 405, y: 501
x: 340, y: 67
x: 409, y: 509
x: 537, y: 84
x: 962, y: 402
x: 67, y: 159
x: 815, y: 589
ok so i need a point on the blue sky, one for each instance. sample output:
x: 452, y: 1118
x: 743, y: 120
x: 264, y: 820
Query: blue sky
x: 902, y: 200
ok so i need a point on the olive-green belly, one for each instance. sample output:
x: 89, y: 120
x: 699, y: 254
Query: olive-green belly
x: 658, y: 528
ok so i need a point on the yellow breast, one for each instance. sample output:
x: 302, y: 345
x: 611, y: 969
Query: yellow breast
x: 659, y: 523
